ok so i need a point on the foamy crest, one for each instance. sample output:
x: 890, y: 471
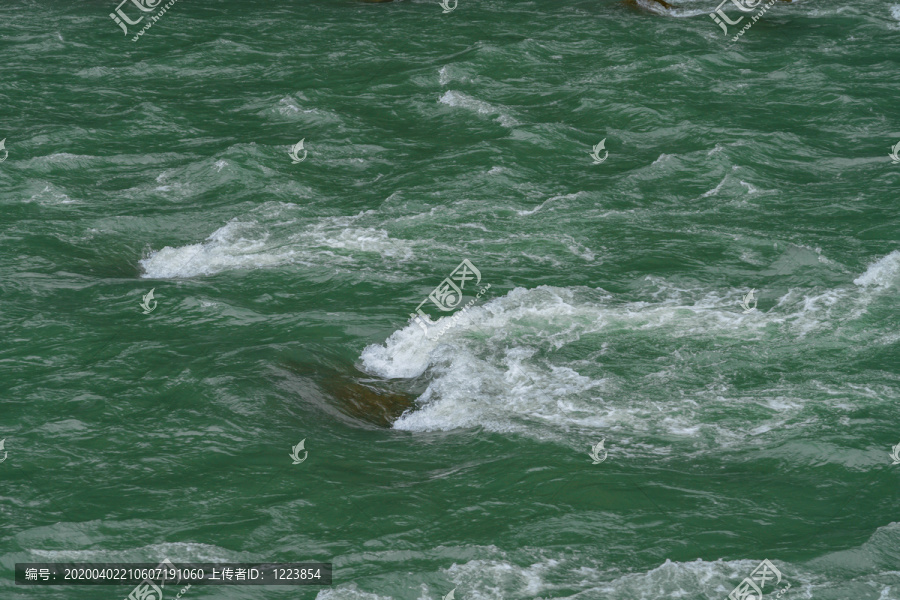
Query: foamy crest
x: 350, y: 592
x: 517, y: 363
x: 406, y: 354
x: 450, y: 73
x: 236, y: 245
x: 49, y: 195
x: 461, y: 100
x: 488, y: 370
x: 492, y: 573
x: 339, y: 233
x: 680, y: 11
x: 253, y: 245
x: 882, y: 273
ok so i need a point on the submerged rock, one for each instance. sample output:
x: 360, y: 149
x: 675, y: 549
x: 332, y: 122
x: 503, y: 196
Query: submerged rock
x: 368, y: 400
x: 342, y: 389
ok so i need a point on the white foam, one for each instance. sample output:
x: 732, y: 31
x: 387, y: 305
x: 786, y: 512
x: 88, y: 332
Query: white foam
x: 578, y: 249
x: 716, y: 189
x: 689, y: 579
x: 349, y: 592
x: 532, y: 574
x: 461, y: 100
x: 506, y: 387
x: 251, y: 244
x: 751, y: 189
x: 510, y: 364
x: 338, y: 233
x: 229, y: 247
x: 94, y: 72
x: 69, y: 158
x: 654, y: 7
x: 492, y: 573
x: 679, y: 11
x: 287, y: 106
x: 526, y: 213
x: 51, y: 195
x: 882, y: 273
x: 406, y: 354
x: 450, y: 73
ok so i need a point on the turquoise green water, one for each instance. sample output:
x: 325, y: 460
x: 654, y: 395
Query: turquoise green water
x: 284, y: 294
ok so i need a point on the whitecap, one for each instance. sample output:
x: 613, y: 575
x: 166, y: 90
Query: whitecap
x: 495, y: 368
x: 883, y: 273
x: 254, y: 244
x: 461, y: 100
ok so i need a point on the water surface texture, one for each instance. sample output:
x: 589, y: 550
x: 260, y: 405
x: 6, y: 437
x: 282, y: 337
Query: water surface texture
x: 282, y: 294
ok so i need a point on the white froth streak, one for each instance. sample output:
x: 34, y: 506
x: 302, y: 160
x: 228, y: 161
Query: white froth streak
x: 883, y: 273
x: 493, y: 573
x: 250, y: 245
x: 460, y: 100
